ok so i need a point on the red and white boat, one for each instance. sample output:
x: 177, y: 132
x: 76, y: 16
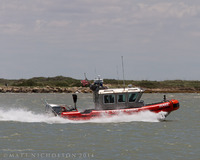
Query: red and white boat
x: 109, y: 102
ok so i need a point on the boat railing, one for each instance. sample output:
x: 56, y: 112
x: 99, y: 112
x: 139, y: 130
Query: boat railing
x: 155, y: 103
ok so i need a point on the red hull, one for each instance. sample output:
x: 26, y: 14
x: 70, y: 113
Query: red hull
x: 168, y: 107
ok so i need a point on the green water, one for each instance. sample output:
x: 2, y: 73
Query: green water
x: 28, y: 133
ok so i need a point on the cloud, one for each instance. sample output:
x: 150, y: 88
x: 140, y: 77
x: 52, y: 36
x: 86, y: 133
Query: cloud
x: 195, y: 34
x: 144, y: 31
x: 61, y: 23
x: 168, y: 10
x: 48, y: 14
x: 10, y: 28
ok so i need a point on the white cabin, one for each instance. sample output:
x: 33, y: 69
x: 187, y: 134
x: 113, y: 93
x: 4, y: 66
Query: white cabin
x: 117, y: 98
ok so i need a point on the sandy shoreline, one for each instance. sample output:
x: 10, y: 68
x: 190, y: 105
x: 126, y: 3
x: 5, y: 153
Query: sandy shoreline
x: 47, y: 89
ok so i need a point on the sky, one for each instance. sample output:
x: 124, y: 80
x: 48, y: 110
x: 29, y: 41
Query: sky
x: 158, y: 39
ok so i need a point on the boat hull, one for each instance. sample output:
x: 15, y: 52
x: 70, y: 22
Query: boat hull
x: 167, y: 107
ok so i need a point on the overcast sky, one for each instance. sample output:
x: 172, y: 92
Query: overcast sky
x: 158, y: 39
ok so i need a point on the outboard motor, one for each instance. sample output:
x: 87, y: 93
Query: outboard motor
x: 75, y: 100
x: 164, y: 98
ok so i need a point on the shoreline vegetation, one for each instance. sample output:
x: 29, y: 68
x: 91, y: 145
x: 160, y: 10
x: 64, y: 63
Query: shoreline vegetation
x: 62, y: 84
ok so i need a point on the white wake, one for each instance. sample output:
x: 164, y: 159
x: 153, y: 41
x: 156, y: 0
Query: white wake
x: 22, y: 115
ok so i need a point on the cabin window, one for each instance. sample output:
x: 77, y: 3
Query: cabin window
x: 109, y: 98
x: 132, y: 97
x: 121, y: 98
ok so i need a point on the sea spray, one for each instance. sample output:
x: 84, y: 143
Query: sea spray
x: 23, y: 115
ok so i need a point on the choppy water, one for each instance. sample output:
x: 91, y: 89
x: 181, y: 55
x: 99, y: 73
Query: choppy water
x: 28, y: 133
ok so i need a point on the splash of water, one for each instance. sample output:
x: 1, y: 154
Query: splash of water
x: 22, y: 115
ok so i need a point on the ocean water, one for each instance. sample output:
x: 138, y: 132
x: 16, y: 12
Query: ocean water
x: 28, y: 133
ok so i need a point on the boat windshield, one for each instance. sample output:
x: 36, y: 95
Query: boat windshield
x: 132, y: 97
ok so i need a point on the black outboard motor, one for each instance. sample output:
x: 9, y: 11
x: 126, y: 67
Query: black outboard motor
x: 74, y: 99
x: 164, y: 98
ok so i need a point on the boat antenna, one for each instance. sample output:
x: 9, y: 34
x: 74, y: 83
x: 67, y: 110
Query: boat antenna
x: 123, y: 71
x: 85, y: 75
x: 117, y: 77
